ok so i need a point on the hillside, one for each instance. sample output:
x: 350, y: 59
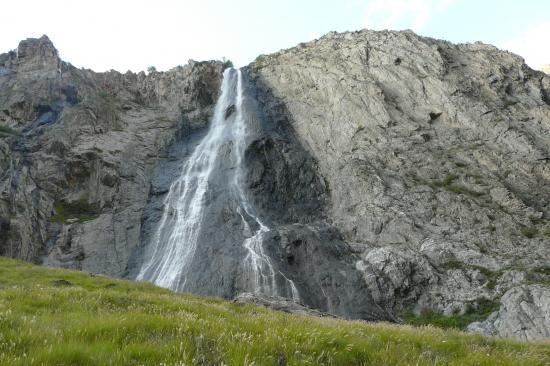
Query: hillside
x: 61, y: 317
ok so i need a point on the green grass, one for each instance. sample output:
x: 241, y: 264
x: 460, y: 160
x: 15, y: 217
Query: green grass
x: 448, y: 184
x: 96, y: 320
x: 227, y: 63
x: 545, y: 270
x: 539, y: 275
x: 475, y: 313
x: 6, y: 131
x: 529, y: 231
x: 80, y: 210
x: 103, y: 94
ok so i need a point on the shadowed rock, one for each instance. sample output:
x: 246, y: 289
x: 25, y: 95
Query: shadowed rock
x: 279, y: 303
x: 61, y: 283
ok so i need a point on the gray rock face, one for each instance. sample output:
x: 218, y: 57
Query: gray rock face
x: 524, y: 314
x: 397, y: 172
x: 75, y: 178
x: 433, y: 159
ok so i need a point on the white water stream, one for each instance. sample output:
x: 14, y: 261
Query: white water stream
x: 173, y: 246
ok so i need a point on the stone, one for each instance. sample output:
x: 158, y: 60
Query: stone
x: 279, y: 304
x: 61, y: 283
x: 427, y: 169
x: 524, y: 314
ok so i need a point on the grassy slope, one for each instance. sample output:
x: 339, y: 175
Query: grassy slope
x: 101, y: 321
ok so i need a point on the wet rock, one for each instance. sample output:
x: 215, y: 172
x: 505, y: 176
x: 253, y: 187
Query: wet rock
x: 229, y: 111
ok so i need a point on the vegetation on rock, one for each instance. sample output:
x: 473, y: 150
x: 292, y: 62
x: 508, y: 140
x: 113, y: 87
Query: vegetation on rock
x: 80, y: 210
x: 227, y: 63
x: 457, y: 321
x: 6, y: 131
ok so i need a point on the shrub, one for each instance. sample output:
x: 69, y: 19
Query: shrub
x: 227, y: 63
x: 8, y: 131
x: 529, y: 231
x: 80, y: 210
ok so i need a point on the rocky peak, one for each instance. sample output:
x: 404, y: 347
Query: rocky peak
x: 37, y: 54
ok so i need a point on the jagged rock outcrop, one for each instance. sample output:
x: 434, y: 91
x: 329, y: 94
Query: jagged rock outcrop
x: 78, y: 150
x: 523, y: 314
x: 434, y: 157
x: 403, y: 170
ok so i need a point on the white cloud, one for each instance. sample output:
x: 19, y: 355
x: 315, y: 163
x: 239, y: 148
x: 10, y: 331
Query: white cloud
x: 402, y: 14
x: 532, y: 45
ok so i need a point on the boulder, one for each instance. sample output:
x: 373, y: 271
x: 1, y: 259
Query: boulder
x: 524, y: 314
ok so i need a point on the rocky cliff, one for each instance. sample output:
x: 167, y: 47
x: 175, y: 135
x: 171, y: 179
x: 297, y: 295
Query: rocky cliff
x: 411, y: 174
x: 77, y: 150
x: 435, y: 161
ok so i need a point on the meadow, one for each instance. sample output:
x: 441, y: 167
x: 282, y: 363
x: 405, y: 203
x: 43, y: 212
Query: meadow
x: 60, y: 317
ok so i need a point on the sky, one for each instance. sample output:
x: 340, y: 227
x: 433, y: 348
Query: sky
x: 135, y: 34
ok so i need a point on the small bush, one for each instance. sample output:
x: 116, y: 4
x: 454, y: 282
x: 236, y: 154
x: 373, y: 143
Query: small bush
x: 460, y: 189
x: 260, y: 58
x: 529, y: 231
x: 227, y: 63
x: 103, y: 94
x: 8, y: 131
x: 454, y: 264
x: 475, y: 312
x: 80, y: 210
x: 545, y: 270
x: 445, y: 182
x: 151, y: 69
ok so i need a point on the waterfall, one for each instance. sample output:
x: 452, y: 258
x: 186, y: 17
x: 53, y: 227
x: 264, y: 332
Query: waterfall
x: 172, y: 247
x: 257, y: 263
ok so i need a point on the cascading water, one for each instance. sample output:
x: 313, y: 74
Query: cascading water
x: 257, y: 263
x: 173, y: 246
